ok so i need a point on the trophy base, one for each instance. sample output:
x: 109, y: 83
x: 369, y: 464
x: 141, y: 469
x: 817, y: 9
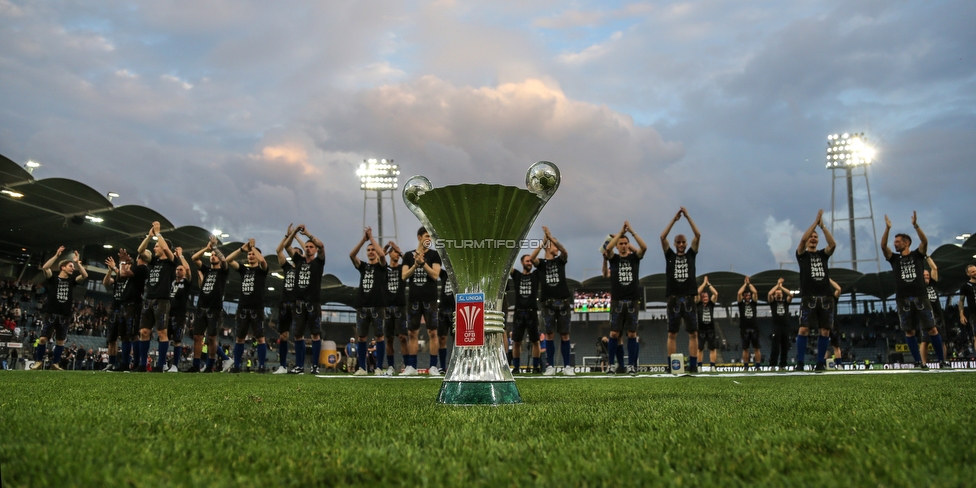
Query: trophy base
x: 479, y: 393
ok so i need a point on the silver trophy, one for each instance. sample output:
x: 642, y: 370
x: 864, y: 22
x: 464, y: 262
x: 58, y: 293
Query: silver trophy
x: 478, y: 230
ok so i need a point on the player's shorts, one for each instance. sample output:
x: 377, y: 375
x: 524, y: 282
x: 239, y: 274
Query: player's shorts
x: 116, y: 326
x: 177, y: 323
x: 154, y: 313
x: 445, y: 321
x: 250, y: 321
x: 286, y: 317
x: 623, y: 315
x: 682, y: 308
x: 308, y: 319
x: 915, y: 312
x: 750, y: 338
x: 56, y: 326
x: 370, y: 319
x: 207, y: 322
x: 707, y: 337
x: 133, y: 314
x: 395, y: 323
x: 427, y: 310
x: 557, y: 315
x: 817, y: 312
x: 525, y: 321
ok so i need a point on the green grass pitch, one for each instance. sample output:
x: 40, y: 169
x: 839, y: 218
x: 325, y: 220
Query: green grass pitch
x: 109, y: 429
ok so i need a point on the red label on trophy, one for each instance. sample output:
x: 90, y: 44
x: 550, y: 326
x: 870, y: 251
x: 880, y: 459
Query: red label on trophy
x: 470, y: 313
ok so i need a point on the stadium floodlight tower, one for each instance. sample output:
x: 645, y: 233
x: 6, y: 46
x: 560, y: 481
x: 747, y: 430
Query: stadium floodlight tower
x: 848, y: 157
x: 378, y: 178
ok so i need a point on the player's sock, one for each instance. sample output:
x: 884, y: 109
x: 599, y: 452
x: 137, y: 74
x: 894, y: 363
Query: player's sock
x: 692, y: 362
x: 57, y: 354
x: 210, y: 363
x: 536, y: 362
x: 126, y: 352
x: 442, y: 353
x: 913, y: 347
x: 112, y: 359
x: 39, y: 352
x: 300, y: 354
x: 937, y: 344
x: 262, y: 353
x: 317, y: 352
x: 177, y: 355
x: 196, y: 364
x: 361, y: 354
x: 633, y: 350
x: 801, y: 348
x: 380, y: 354
x: 822, y: 344
x: 413, y: 361
x: 550, y: 352
x: 564, y: 349
x: 390, y: 357
x: 283, y: 353
x: 163, y: 351
x: 612, y: 350
x: 238, y: 354
x: 223, y: 355
x: 143, y: 353
x: 516, y: 364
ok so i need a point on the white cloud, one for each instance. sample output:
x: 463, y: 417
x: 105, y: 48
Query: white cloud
x: 779, y: 238
x: 592, y: 52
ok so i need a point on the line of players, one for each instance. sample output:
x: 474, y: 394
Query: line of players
x: 151, y: 293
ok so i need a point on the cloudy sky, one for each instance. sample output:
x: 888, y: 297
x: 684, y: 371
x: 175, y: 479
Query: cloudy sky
x: 245, y: 116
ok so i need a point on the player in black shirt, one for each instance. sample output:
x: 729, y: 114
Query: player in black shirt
x: 817, y: 304
x: 136, y: 277
x: 155, y: 308
x: 286, y: 307
x: 911, y: 298
x: 705, y: 301
x: 57, y: 307
x: 370, y: 306
x: 395, y: 291
x: 931, y: 278
x: 308, y: 306
x: 445, y: 317
x: 250, y: 308
x: 179, y: 297
x: 748, y: 323
x: 624, y: 296
x: 779, y: 298
x: 526, y: 285
x: 423, y: 267
x: 682, y: 288
x: 116, y: 317
x: 967, y: 303
x: 212, y: 280
x: 557, y: 301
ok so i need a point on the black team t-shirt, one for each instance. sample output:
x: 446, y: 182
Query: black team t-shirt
x: 625, y: 276
x: 290, y: 278
x: 253, y: 280
x: 780, y: 310
x: 706, y: 315
x: 179, y: 296
x: 423, y: 288
x: 212, y: 291
x: 747, y: 315
x: 908, y: 268
x: 814, y: 276
x: 161, y: 275
x: 552, y: 279
x: 136, y: 284
x: 58, y: 291
x: 309, y: 284
x: 525, y: 289
x: 372, y: 277
x: 680, y: 272
x: 396, y: 288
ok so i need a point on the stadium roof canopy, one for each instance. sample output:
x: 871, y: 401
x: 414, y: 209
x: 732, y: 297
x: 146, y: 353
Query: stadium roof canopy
x: 37, y: 216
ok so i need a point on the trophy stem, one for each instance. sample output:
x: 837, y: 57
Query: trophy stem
x: 480, y: 375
